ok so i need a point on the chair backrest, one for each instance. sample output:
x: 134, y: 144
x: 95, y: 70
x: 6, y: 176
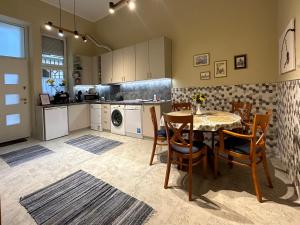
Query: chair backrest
x: 177, y: 124
x: 178, y: 106
x: 243, y: 109
x: 154, y: 120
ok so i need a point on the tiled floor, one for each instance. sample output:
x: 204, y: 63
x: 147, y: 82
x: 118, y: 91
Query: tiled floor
x: 229, y: 199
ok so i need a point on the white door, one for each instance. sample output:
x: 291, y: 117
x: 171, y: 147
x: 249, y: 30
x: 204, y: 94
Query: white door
x: 14, y: 96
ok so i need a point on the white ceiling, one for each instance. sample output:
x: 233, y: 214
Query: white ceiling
x: 91, y: 10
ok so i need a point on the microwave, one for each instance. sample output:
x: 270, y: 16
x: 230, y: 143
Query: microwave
x: 91, y: 97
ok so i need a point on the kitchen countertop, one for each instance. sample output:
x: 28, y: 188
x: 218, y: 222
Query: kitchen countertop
x: 125, y: 102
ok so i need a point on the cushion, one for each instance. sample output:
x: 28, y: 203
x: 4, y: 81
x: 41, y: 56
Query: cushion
x: 184, y: 150
x: 162, y: 133
x: 239, y: 145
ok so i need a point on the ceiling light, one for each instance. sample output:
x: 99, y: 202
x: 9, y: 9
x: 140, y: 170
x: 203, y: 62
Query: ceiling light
x: 76, y: 35
x: 60, y: 33
x: 131, y: 5
x: 48, y: 26
x: 111, y: 8
x: 84, y: 39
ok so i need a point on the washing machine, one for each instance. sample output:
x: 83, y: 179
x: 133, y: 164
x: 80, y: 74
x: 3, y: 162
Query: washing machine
x: 118, y: 119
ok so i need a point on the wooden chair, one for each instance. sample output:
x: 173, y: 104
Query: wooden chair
x: 247, y: 149
x: 160, y: 136
x: 179, y: 106
x: 243, y: 109
x: 181, y: 151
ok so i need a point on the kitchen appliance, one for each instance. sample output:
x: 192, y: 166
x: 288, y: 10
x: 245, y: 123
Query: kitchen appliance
x: 55, y: 122
x: 118, y: 119
x: 133, y: 118
x: 91, y: 97
x: 96, y: 117
x: 61, y: 98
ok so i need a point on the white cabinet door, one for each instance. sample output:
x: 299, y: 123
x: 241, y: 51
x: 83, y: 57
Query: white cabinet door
x: 129, y: 63
x: 55, y: 122
x: 95, y: 70
x: 142, y: 61
x: 96, y: 117
x: 106, y: 68
x: 148, y: 129
x: 118, y: 75
x: 79, y: 116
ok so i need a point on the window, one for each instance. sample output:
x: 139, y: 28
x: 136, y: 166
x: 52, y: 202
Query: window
x: 12, y: 40
x: 53, y: 65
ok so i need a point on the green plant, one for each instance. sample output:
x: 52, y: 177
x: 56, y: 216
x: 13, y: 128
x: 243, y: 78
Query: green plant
x: 199, y: 98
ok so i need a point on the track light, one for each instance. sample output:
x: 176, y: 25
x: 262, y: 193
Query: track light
x: 60, y: 33
x: 48, y: 26
x: 131, y: 5
x: 84, y: 39
x: 111, y: 8
x: 76, y: 35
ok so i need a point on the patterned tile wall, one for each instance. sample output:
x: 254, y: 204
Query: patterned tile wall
x: 262, y: 96
x: 289, y: 128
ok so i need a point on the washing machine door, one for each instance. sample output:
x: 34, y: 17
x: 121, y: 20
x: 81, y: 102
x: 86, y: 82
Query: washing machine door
x: 116, y: 118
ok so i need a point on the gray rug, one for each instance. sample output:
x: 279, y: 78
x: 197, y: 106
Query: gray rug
x: 93, y: 144
x: 83, y: 199
x: 24, y: 155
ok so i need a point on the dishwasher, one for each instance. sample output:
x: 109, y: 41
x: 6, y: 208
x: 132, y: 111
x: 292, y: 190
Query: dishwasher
x: 133, y: 121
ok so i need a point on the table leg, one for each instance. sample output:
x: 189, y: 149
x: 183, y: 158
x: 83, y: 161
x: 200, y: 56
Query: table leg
x: 216, y: 172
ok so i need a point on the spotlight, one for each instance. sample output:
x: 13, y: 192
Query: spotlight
x: 111, y: 8
x: 60, y: 33
x: 48, y: 26
x: 76, y: 34
x: 131, y: 5
x: 84, y: 39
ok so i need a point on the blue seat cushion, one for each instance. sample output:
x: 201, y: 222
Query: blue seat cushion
x: 162, y: 133
x: 184, y: 150
x: 239, y: 145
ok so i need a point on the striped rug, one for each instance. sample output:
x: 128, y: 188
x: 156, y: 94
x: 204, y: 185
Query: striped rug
x: 24, y: 155
x: 83, y: 199
x: 93, y: 144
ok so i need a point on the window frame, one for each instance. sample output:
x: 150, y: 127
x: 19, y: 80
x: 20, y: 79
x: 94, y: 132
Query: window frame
x: 26, y: 39
x: 64, y: 68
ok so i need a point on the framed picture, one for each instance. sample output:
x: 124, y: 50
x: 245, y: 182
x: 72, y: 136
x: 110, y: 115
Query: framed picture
x: 221, y: 68
x: 240, y: 62
x: 45, y: 99
x: 205, y: 75
x: 201, y: 59
x: 287, y: 49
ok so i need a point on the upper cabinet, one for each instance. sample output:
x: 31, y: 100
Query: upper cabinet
x: 106, y: 68
x: 147, y: 60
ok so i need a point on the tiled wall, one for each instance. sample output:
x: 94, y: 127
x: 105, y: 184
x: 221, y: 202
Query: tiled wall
x: 289, y: 128
x: 262, y: 96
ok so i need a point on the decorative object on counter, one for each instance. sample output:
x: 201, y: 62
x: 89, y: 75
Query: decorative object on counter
x: 45, y: 99
x: 199, y: 100
x: 287, y: 54
x: 221, y: 68
x: 240, y: 62
x: 57, y: 87
x: 201, y: 59
x: 205, y: 75
x: 78, y: 96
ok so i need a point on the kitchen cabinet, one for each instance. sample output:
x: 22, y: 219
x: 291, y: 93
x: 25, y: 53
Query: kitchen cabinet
x: 96, y: 117
x: 154, y: 59
x: 106, y: 68
x: 78, y: 116
x: 95, y: 70
x: 124, y: 65
x: 87, y: 69
x: 105, y: 118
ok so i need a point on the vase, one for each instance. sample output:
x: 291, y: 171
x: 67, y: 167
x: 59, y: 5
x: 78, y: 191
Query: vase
x: 198, y: 109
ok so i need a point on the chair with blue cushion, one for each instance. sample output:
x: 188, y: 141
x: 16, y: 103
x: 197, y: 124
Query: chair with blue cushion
x: 180, y: 150
x: 247, y: 149
x: 159, y: 136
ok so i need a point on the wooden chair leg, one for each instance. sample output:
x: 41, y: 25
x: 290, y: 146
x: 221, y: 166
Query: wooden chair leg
x: 230, y: 164
x: 168, y: 169
x: 180, y: 165
x: 190, y: 179
x: 205, y: 163
x: 153, y: 151
x: 216, y: 169
x: 266, y: 169
x: 255, y: 181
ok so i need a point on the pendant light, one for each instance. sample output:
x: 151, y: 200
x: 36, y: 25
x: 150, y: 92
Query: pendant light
x: 113, y: 6
x: 76, y: 35
x: 60, y: 31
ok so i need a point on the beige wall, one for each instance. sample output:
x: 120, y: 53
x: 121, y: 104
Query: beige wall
x: 36, y: 13
x: 288, y: 9
x: 223, y: 28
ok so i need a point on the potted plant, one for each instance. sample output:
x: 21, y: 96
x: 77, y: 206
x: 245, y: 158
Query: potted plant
x: 199, y: 99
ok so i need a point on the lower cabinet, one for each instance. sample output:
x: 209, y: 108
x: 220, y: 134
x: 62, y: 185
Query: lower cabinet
x: 105, y: 118
x: 78, y: 116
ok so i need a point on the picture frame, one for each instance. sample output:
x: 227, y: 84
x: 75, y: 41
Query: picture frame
x: 240, y: 62
x: 45, y: 99
x: 201, y: 60
x: 205, y: 75
x: 221, y: 68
